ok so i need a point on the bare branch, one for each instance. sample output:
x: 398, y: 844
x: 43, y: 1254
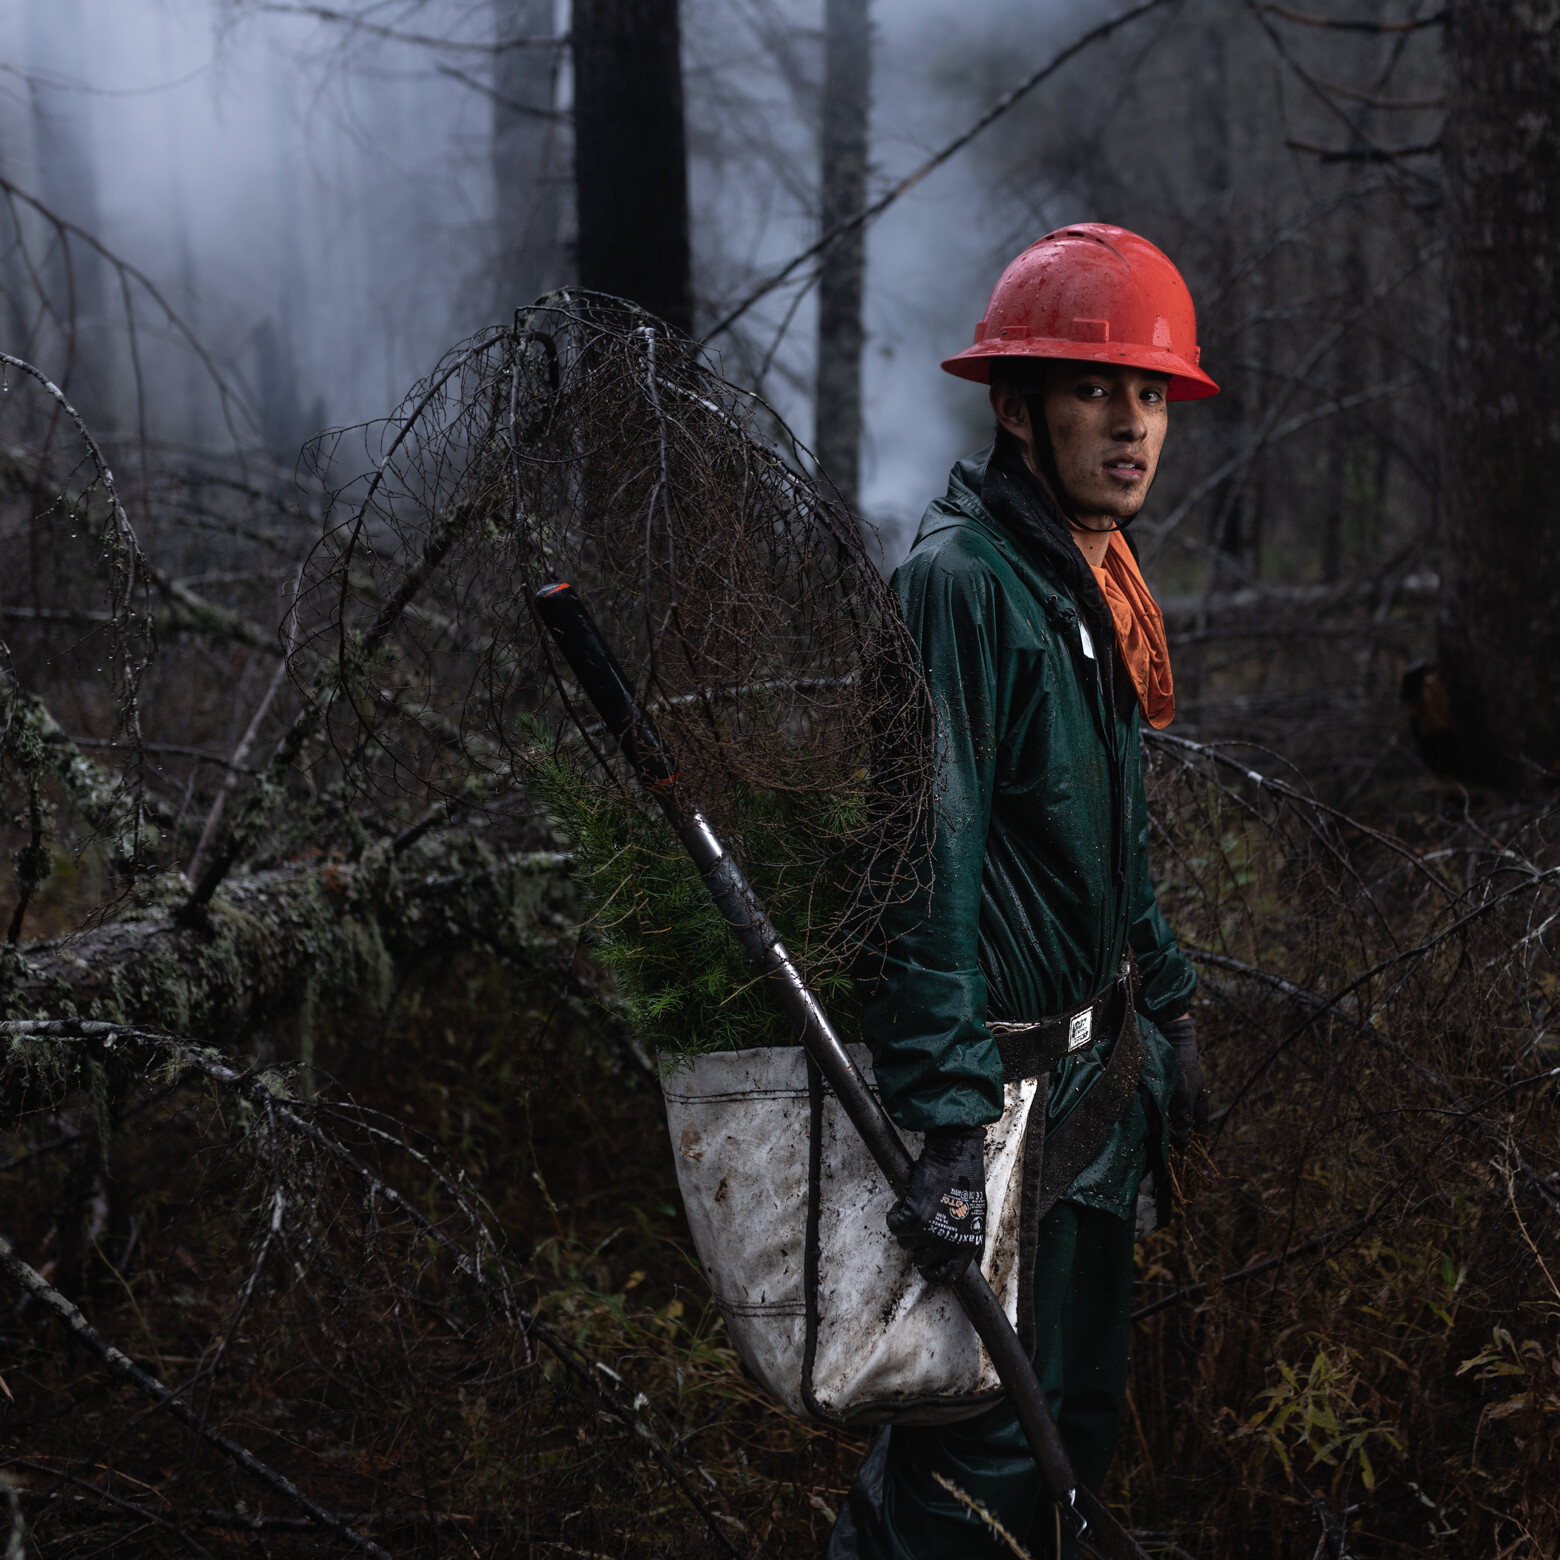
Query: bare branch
x: 116, y: 1502
x: 230, y: 399
x: 1344, y: 24
x: 871, y: 212
x: 1319, y: 91
x: 325, y: 13
x: 1367, y: 154
x: 553, y: 116
x: 235, y: 767
x: 1348, y: 1007
x: 1374, y: 100
x: 271, y: 1094
x: 26, y: 1277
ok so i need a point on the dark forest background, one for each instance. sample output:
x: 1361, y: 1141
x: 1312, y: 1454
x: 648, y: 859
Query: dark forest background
x: 319, y: 1104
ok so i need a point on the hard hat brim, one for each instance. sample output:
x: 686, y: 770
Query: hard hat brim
x: 1187, y: 381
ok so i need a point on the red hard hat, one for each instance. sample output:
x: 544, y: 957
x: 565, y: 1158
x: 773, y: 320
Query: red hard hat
x: 1096, y: 294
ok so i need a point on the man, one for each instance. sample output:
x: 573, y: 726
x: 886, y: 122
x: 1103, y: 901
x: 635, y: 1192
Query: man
x: 1044, y: 650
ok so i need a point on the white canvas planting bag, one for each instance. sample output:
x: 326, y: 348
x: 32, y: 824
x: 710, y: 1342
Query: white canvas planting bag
x: 787, y: 1211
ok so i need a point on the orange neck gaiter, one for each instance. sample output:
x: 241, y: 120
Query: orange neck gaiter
x: 1140, y: 632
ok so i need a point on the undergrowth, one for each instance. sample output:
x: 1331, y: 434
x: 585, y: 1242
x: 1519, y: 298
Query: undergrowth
x: 364, y: 1367
x: 689, y: 986
x: 1348, y: 1343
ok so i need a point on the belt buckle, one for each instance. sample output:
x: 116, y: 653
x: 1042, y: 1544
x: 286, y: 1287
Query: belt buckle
x: 1080, y: 1030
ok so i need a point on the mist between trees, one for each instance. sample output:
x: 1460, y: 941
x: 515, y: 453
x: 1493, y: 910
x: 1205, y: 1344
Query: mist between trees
x: 336, y: 1207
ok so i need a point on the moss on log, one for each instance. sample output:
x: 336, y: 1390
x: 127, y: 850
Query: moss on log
x: 331, y: 935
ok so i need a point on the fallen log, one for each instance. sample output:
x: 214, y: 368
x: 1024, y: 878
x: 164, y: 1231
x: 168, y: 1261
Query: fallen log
x: 325, y: 934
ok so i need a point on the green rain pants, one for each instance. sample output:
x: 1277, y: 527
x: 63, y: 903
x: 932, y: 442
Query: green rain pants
x: 1083, y: 1328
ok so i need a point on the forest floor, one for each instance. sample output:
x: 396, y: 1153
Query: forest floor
x: 1347, y: 1345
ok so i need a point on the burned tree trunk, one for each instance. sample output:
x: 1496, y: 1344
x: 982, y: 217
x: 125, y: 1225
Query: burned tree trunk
x: 843, y: 188
x: 630, y: 155
x: 1500, y: 635
x: 528, y: 155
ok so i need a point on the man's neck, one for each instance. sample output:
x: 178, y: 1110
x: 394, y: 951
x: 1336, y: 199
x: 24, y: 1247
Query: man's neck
x: 1091, y: 543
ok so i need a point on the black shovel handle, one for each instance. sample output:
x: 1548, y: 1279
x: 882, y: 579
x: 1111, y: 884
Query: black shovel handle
x: 604, y: 684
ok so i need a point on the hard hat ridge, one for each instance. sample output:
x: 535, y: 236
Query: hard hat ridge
x: 1097, y: 293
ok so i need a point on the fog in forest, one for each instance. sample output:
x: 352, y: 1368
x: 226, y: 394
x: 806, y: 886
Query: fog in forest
x: 319, y: 203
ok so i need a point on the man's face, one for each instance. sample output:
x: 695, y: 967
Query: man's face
x: 1107, y: 425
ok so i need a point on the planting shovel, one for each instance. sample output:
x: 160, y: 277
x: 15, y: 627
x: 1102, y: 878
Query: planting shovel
x: 609, y: 691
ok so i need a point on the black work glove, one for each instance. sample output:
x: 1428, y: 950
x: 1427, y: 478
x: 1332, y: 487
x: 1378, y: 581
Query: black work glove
x: 1189, y: 1103
x: 941, y: 1219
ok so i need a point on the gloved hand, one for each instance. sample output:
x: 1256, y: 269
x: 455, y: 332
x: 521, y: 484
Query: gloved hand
x: 1189, y: 1103
x: 941, y: 1219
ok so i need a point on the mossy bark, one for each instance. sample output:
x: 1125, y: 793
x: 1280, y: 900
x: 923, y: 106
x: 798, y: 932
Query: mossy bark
x: 342, y: 932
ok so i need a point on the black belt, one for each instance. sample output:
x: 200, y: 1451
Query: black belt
x: 1038, y: 1046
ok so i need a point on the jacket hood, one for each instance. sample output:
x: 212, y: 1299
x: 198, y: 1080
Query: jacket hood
x: 962, y: 505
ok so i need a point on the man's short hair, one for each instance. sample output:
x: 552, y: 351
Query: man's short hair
x: 1026, y: 375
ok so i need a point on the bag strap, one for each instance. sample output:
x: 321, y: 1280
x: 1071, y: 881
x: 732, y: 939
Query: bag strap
x: 810, y: 1253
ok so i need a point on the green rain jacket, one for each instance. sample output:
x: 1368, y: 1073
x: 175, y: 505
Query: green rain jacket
x: 1038, y: 877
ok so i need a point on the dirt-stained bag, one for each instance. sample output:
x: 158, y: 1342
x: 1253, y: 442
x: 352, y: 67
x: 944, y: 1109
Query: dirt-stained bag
x: 787, y: 1211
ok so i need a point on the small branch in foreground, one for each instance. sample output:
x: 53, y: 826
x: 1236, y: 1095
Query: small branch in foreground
x: 235, y: 767
x: 115, y: 1502
x: 229, y: 399
x: 1214, y: 754
x: 1347, y: 1007
x: 977, y: 1509
x: 1255, y: 1269
x: 28, y: 1278
x: 553, y: 116
x: 308, y: 720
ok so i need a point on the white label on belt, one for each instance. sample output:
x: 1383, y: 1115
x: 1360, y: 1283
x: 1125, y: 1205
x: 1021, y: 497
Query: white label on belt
x: 1079, y: 1029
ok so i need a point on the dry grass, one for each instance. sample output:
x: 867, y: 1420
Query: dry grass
x: 1374, y: 1011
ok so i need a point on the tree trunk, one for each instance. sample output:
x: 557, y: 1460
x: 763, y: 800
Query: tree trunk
x: 1228, y: 504
x: 528, y: 157
x: 843, y: 184
x: 67, y: 184
x: 630, y: 155
x: 1500, y: 634
x: 338, y: 934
